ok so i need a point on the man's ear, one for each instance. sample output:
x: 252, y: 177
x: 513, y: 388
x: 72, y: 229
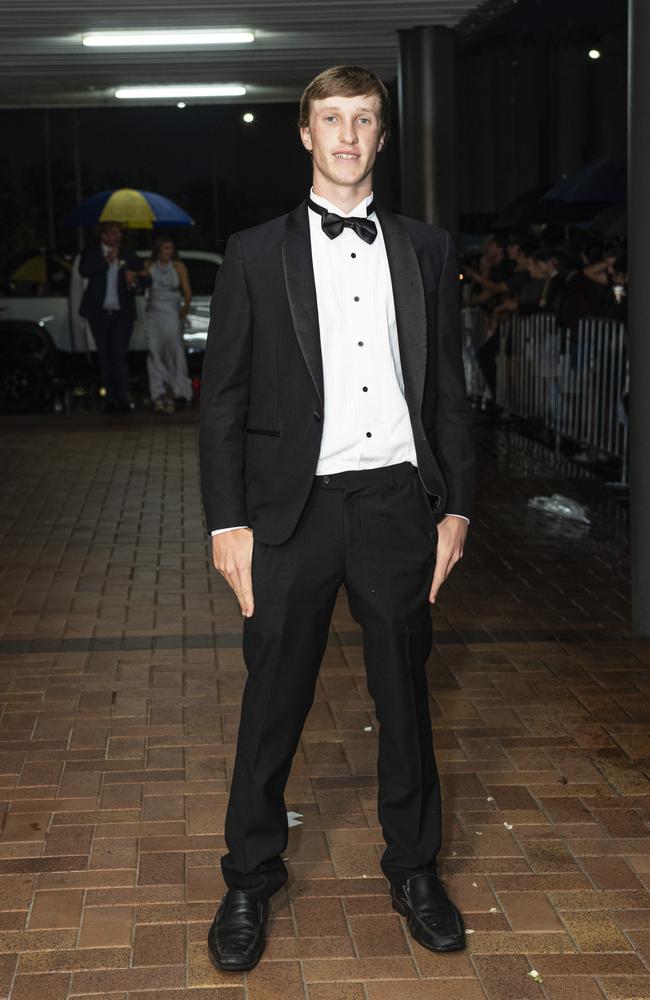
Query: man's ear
x: 382, y: 142
x: 305, y: 136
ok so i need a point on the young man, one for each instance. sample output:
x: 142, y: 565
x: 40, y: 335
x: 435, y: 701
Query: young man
x: 335, y: 431
x: 108, y: 304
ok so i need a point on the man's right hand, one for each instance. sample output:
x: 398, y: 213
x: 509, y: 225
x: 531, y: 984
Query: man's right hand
x: 232, y: 554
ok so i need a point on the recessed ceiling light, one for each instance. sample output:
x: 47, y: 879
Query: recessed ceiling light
x: 594, y: 53
x: 181, y: 104
x: 141, y: 39
x: 248, y: 117
x: 178, y: 91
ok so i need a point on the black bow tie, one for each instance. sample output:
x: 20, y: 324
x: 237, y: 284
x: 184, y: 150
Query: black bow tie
x: 334, y: 224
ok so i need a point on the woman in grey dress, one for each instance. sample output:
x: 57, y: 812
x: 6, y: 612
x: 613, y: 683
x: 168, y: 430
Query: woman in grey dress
x: 164, y: 315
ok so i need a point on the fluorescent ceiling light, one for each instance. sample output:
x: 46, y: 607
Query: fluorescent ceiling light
x: 141, y: 39
x: 178, y: 91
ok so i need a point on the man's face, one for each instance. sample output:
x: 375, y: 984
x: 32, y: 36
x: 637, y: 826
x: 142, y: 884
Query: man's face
x: 112, y: 236
x: 344, y: 136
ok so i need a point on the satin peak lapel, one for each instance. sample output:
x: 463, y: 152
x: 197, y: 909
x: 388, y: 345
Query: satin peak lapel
x: 410, y: 309
x: 301, y: 291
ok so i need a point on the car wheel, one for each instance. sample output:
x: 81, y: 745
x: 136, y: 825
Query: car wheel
x: 23, y: 382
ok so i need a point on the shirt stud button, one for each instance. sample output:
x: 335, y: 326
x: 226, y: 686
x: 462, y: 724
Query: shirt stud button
x: 353, y: 255
x: 356, y: 298
x: 365, y: 388
x: 360, y: 343
x: 368, y: 434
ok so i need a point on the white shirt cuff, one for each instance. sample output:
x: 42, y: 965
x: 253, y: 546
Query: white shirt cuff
x: 449, y: 514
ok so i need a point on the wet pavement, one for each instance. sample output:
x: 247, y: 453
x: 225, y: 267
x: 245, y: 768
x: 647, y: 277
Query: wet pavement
x: 121, y: 675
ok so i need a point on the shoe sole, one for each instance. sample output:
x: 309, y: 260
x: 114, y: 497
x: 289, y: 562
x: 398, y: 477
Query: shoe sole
x: 404, y: 912
x: 243, y: 967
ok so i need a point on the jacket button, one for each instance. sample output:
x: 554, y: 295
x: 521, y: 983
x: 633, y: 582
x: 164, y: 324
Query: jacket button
x: 316, y: 415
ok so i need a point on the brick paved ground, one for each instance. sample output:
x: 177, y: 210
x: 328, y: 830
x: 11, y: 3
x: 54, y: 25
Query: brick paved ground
x: 121, y: 673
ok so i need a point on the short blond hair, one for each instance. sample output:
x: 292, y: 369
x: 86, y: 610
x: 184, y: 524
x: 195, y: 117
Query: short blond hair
x: 345, y: 81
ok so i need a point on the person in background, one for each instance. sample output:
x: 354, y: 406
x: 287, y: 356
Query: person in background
x: 549, y: 277
x: 510, y: 290
x: 584, y: 294
x: 617, y: 286
x: 493, y: 265
x: 509, y: 286
x: 610, y: 274
x: 108, y: 303
x: 166, y: 361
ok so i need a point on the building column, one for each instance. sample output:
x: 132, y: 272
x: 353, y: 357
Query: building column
x: 427, y: 125
x: 639, y: 308
x: 49, y: 190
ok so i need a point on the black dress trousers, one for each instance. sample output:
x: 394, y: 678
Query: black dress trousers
x: 112, y: 332
x: 374, y: 531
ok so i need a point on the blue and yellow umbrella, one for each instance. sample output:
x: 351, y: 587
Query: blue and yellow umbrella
x: 132, y: 209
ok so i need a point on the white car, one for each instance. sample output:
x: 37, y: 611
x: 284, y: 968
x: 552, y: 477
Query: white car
x: 44, y: 340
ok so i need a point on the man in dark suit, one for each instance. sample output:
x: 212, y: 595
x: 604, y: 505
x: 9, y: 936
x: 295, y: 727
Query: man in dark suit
x: 108, y: 303
x: 335, y: 448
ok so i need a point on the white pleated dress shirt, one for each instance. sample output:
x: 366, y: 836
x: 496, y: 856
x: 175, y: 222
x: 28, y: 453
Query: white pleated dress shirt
x: 365, y: 416
x: 366, y: 421
x: 112, y: 296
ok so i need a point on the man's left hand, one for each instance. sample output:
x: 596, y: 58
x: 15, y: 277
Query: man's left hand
x: 452, y: 532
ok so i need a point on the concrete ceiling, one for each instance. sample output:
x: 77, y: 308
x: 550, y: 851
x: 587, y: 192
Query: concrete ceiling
x: 43, y: 63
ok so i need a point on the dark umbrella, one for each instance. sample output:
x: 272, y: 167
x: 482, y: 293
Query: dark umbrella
x: 603, y: 180
x: 612, y: 221
x: 526, y: 210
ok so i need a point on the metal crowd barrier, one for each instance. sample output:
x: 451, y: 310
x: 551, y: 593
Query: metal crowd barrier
x: 574, y: 382
x: 473, y: 327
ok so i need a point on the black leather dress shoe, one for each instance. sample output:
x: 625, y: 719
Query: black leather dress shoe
x: 236, y: 938
x: 431, y: 917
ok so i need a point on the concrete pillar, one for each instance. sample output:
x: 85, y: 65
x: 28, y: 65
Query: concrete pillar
x: 49, y: 191
x: 639, y: 308
x: 427, y: 125
x: 78, y: 186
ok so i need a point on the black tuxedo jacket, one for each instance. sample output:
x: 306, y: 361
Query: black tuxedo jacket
x: 262, y: 385
x: 94, y: 267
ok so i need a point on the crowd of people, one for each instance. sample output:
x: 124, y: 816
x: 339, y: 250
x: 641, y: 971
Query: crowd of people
x: 571, y: 279
x: 579, y: 277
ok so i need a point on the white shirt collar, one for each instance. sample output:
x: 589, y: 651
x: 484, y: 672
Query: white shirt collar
x: 360, y: 209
